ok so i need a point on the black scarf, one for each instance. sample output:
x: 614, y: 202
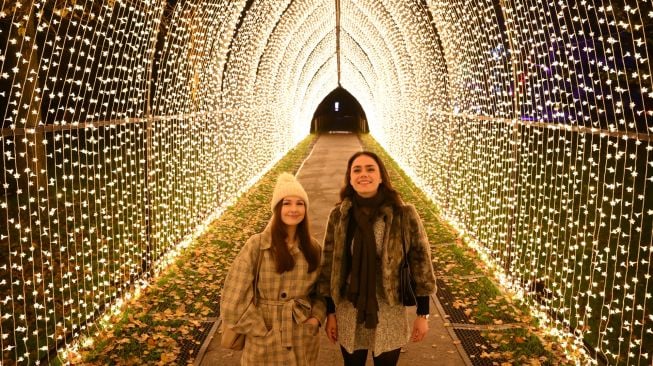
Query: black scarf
x: 362, y: 286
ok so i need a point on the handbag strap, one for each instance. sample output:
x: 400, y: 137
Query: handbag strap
x: 259, y: 259
x: 403, y: 242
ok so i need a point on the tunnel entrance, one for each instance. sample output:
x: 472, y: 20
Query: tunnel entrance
x: 339, y: 111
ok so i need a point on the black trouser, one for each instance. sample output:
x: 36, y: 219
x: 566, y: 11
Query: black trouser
x: 359, y: 357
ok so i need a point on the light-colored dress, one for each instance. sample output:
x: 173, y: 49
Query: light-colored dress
x: 392, y: 330
x: 275, y: 329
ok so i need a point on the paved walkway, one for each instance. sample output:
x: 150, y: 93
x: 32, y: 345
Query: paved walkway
x: 322, y: 175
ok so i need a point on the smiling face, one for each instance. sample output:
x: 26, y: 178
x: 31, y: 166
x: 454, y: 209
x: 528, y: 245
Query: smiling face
x: 293, y: 210
x: 365, y: 176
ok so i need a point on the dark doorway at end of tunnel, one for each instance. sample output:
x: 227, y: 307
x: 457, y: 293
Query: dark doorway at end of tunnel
x: 339, y: 111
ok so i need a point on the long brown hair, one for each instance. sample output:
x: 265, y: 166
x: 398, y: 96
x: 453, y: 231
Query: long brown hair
x: 347, y: 191
x: 284, y: 260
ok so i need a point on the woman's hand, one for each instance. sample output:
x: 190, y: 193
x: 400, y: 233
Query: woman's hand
x: 331, y: 328
x: 312, y: 320
x: 420, y: 328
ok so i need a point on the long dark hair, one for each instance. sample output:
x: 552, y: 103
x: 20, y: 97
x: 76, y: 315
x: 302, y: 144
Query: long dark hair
x: 284, y: 260
x: 347, y: 191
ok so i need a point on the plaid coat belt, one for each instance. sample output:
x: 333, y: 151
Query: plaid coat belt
x: 297, y: 310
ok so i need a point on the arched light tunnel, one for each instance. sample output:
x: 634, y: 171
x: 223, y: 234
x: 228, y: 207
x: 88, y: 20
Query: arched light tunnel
x: 126, y: 124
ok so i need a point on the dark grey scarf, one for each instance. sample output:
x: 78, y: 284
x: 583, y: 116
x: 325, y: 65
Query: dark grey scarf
x: 362, y: 286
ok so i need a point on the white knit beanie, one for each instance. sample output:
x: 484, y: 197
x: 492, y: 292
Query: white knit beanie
x: 287, y: 185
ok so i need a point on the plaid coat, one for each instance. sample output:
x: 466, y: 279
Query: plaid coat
x: 275, y: 329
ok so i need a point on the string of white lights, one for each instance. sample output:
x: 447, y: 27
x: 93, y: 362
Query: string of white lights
x: 587, y: 188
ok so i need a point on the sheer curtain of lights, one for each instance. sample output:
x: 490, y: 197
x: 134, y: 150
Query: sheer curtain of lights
x: 126, y: 126
x: 547, y: 164
x: 302, y: 44
x: 269, y: 80
x: 530, y: 125
x: 129, y: 124
x: 73, y: 93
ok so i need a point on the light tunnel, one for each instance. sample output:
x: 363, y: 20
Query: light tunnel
x: 128, y: 124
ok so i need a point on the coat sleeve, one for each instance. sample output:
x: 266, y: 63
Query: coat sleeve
x: 318, y: 304
x: 237, y: 309
x: 324, y: 279
x: 419, y: 253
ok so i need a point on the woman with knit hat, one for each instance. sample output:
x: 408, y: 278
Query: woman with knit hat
x: 368, y: 235
x: 282, y: 313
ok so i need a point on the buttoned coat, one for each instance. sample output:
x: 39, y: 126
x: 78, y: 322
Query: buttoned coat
x: 398, y: 220
x: 274, y: 328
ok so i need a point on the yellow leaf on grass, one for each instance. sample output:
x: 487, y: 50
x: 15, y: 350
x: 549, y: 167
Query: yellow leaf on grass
x: 181, y: 310
x: 166, y: 358
x: 151, y: 342
x: 468, y: 312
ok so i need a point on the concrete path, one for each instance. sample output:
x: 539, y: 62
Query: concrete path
x: 322, y: 175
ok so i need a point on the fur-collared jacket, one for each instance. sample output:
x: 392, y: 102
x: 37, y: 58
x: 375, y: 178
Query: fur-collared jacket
x: 397, y: 220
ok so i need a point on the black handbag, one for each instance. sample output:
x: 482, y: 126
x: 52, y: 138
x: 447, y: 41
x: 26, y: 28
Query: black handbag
x: 406, y: 281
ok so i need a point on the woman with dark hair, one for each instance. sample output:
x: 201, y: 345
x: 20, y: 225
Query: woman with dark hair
x: 282, y: 313
x: 362, y: 255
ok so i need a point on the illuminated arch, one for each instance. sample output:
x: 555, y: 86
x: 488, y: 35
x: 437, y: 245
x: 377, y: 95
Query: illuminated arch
x: 134, y: 122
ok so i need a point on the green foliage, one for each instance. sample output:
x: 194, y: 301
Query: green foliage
x: 519, y: 346
x: 455, y: 260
